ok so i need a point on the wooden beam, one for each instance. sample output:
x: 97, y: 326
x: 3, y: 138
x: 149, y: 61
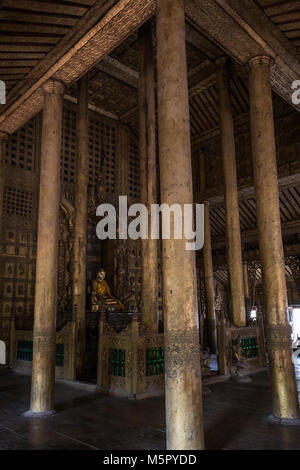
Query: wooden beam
x: 29, y: 39
x: 288, y: 228
x: 215, y: 196
x: 82, y: 2
x: 45, y: 7
x: 251, y: 255
x: 202, y: 43
x: 19, y: 56
x: 34, y: 17
x: 129, y: 114
x: 95, y: 109
x: 17, y: 63
x: 24, y: 48
x: 115, y: 26
x: 200, y: 78
x: 81, y: 27
x: 116, y: 69
x: 287, y: 6
x: 34, y: 28
x: 14, y: 70
x: 245, y: 33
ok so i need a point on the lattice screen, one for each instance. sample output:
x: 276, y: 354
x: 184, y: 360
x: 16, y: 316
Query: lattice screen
x: 18, y: 202
x: 102, y: 146
x: 20, y: 147
x: 68, y: 153
x: 134, y: 170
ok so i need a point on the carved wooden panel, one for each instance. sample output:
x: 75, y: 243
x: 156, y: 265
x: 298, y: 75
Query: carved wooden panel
x: 108, y: 152
x: 102, y: 148
x: 20, y: 147
x: 17, y: 274
x: 68, y: 150
x: 133, y: 170
x: 18, y: 202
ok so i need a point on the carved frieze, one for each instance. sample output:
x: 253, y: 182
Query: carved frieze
x: 181, y: 350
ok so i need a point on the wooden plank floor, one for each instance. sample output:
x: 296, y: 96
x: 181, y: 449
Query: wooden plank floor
x: 234, y: 416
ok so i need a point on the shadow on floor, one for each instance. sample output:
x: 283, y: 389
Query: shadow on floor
x: 234, y: 418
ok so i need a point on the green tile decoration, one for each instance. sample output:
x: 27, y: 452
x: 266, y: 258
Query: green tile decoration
x: 155, y: 361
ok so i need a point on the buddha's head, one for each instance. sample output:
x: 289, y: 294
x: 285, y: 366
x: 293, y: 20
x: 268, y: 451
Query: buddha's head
x: 101, y: 274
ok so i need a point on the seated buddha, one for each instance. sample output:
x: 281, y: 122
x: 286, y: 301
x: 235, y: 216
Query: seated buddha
x: 101, y: 294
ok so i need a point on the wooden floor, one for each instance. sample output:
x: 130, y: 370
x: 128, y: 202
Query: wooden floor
x: 234, y: 417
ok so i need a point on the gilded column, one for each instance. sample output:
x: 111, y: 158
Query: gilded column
x: 209, y: 284
x: 44, y: 331
x: 80, y: 227
x: 246, y: 289
x: 3, y: 138
x: 234, y: 250
x: 246, y: 279
x: 285, y: 399
x: 202, y: 187
x: 149, y: 272
x: 182, y: 378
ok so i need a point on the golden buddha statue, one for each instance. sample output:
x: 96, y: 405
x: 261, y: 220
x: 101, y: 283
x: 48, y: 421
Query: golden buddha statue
x: 101, y: 294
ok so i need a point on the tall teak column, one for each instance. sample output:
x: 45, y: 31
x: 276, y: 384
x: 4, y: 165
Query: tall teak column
x: 80, y: 227
x: 44, y: 331
x: 149, y: 272
x: 246, y: 279
x: 246, y: 289
x: 182, y: 364
x: 285, y: 400
x: 234, y: 249
x: 3, y: 138
x: 209, y: 283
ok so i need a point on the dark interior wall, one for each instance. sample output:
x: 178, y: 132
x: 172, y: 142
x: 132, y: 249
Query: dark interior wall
x: 113, y: 163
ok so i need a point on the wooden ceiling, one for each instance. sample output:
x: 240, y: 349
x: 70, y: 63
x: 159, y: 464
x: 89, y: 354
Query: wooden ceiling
x: 254, y: 275
x: 34, y: 34
x: 204, y: 105
x: 30, y: 29
x: 113, y: 83
x: 289, y: 212
x: 286, y: 15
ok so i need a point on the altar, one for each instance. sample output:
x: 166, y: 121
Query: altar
x: 130, y: 358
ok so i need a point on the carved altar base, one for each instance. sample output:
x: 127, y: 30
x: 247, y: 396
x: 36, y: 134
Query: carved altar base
x: 130, y: 358
x: 252, y: 354
x: 21, y: 351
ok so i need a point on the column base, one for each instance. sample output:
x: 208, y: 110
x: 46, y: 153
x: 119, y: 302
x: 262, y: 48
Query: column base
x: 283, y: 421
x: 40, y: 414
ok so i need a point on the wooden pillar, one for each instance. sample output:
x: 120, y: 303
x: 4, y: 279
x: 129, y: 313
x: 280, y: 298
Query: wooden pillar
x: 246, y: 290
x: 209, y: 284
x: 80, y: 227
x: 285, y: 400
x: 182, y: 363
x: 234, y: 250
x: 246, y: 279
x: 149, y: 271
x: 3, y: 138
x: 202, y: 187
x: 44, y: 331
